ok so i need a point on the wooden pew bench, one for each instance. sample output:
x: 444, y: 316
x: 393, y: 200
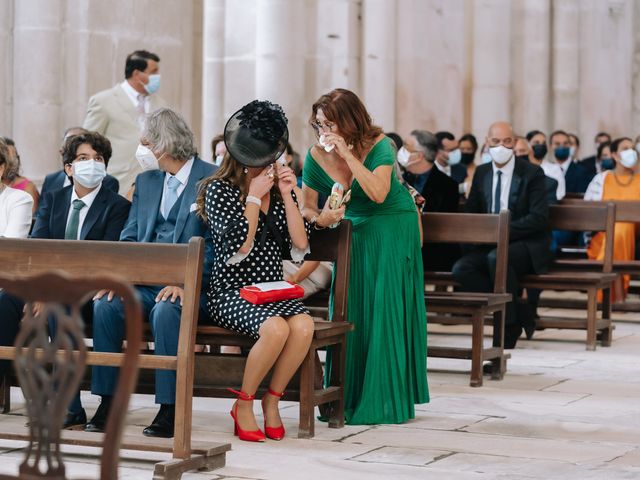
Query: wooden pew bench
x: 139, y: 264
x: 454, y: 308
x: 209, y: 374
x: 593, y: 217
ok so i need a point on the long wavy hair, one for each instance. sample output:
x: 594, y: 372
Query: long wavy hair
x: 346, y: 110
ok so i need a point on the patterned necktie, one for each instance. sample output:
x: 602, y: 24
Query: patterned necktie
x: 498, y: 194
x: 71, y: 233
x: 170, y: 195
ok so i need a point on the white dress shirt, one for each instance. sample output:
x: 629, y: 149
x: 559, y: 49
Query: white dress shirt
x: 88, y: 201
x: 446, y: 170
x: 564, y: 166
x: 505, y: 186
x: 182, y: 176
x: 15, y: 212
x: 553, y: 170
x: 596, y: 187
x: 135, y: 96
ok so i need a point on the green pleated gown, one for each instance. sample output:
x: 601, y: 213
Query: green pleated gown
x: 386, y: 372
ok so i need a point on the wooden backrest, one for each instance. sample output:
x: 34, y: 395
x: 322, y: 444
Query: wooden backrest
x: 471, y: 228
x: 626, y: 210
x: 139, y: 264
x: 587, y: 217
x: 334, y: 245
x: 49, y: 371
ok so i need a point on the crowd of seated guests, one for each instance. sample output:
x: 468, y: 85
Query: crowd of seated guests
x: 524, y: 174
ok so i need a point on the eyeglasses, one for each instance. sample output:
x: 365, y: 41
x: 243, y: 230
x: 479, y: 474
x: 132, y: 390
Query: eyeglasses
x: 506, y: 142
x: 323, y: 126
x: 82, y: 158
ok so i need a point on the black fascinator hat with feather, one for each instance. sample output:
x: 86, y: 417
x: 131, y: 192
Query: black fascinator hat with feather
x: 257, y: 134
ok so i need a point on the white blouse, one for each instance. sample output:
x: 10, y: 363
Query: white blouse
x: 595, y: 188
x: 15, y: 213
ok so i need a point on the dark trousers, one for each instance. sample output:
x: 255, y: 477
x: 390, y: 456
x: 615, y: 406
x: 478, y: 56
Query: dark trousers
x: 10, y: 315
x: 109, y: 332
x: 475, y: 272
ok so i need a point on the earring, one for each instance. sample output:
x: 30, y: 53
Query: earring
x: 245, y: 170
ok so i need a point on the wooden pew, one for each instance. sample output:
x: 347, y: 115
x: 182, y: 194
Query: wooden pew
x: 140, y: 264
x: 452, y: 308
x: 596, y: 217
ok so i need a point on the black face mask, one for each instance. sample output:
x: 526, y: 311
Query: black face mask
x: 467, y: 158
x: 539, y: 151
x: 522, y: 157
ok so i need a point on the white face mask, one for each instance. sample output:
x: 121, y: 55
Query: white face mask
x: 88, y: 173
x: 218, y: 160
x: 629, y: 158
x: 146, y: 158
x: 454, y: 156
x: 403, y: 156
x: 500, y: 154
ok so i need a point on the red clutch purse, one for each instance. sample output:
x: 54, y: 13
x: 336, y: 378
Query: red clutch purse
x: 271, y: 292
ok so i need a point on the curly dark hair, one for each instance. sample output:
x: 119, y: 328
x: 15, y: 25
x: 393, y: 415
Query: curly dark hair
x: 98, y: 142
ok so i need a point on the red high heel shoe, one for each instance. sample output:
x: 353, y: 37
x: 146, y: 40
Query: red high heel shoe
x: 246, y: 435
x: 274, y: 433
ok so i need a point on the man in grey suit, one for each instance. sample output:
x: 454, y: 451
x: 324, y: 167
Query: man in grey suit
x: 163, y: 211
x: 119, y: 112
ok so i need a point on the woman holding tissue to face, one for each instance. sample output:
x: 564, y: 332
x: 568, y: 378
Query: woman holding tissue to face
x: 386, y: 353
x: 254, y: 219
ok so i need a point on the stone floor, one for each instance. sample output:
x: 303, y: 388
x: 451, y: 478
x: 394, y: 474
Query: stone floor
x: 561, y: 412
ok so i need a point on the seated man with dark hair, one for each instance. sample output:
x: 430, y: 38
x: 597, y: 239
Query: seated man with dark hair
x: 57, y: 180
x: 84, y: 210
x: 449, y: 157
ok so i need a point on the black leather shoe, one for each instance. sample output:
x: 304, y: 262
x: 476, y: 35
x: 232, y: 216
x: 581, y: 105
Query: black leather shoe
x: 99, y: 420
x: 487, y: 369
x: 162, y: 425
x: 75, y: 419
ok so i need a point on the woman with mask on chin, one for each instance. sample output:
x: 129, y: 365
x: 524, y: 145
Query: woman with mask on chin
x: 386, y: 353
x: 621, y: 183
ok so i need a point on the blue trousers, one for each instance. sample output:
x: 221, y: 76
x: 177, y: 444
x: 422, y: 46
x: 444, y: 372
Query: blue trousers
x: 109, y: 332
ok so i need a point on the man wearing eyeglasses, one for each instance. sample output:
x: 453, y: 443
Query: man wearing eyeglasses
x: 519, y: 186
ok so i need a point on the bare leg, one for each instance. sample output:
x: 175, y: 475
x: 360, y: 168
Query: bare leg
x: 293, y: 353
x: 273, y: 336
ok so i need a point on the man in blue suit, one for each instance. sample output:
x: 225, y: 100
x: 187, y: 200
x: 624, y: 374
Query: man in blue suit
x: 84, y: 210
x: 163, y: 211
x: 58, y: 180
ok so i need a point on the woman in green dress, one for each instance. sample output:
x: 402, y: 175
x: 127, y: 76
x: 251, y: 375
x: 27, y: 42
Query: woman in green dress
x: 386, y: 371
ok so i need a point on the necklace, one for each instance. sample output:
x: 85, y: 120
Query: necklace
x: 615, y: 176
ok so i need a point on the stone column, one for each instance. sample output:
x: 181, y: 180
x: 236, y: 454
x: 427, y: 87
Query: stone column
x: 213, y: 73
x: 6, y: 59
x: 635, y: 80
x: 491, y: 64
x: 280, y: 62
x: 565, y: 64
x: 531, y: 64
x: 605, y: 93
x: 379, y: 61
x: 37, y: 85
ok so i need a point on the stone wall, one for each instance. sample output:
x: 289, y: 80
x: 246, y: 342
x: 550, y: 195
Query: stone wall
x: 433, y: 64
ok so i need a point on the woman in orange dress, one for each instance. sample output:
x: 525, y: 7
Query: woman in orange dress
x: 621, y: 183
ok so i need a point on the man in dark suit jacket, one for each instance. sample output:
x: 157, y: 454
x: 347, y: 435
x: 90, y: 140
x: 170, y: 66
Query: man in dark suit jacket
x: 163, y: 211
x: 57, y: 180
x: 590, y: 164
x: 100, y: 216
x: 517, y: 185
x: 439, y: 191
x: 449, y: 156
x: 576, y: 176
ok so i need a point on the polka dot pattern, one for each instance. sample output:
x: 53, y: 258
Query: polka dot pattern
x: 229, y: 229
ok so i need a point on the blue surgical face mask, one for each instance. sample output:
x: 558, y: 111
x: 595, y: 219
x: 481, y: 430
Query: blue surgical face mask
x: 486, y: 157
x: 607, y: 164
x: 153, y: 85
x: 562, y: 153
x: 454, y: 157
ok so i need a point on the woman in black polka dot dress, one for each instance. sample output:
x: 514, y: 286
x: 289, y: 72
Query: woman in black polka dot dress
x: 255, y: 220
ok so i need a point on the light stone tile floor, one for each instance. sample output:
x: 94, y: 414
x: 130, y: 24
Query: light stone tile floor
x: 561, y: 412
